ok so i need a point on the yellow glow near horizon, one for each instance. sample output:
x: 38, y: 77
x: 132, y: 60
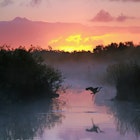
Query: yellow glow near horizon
x: 74, y: 38
x: 78, y: 42
x: 72, y: 43
x: 73, y: 48
x: 53, y: 41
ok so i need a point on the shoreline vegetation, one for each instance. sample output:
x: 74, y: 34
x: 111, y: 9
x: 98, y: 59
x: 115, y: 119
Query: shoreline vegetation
x: 24, y: 77
x: 28, y: 74
x: 126, y: 78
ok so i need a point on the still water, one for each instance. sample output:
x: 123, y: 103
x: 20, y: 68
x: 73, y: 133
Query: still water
x: 70, y: 116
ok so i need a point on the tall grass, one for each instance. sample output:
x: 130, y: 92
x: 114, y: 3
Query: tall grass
x: 126, y: 78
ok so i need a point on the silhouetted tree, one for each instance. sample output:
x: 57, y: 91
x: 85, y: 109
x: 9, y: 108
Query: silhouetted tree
x: 24, y: 77
x: 98, y: 49
x: 111, y: 47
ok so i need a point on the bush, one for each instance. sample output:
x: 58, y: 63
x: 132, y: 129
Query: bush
x: 126, y: 77
x: 24, y: 77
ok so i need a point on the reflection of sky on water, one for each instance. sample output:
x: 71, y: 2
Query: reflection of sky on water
x: 68, y: 117
x: 79, y: 111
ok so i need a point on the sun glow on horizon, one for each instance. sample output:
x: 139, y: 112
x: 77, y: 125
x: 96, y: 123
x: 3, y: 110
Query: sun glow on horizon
x: 79, y: 42
x: 76, y: 42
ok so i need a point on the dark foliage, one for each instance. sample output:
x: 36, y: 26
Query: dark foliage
x: 124, y: 69
x: 23, y: 76
x: 126, y: 77
x: 117, y: 52
x: 112, y: 52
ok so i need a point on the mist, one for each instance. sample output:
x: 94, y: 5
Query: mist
x: 85, y: 72
x: 85, y: 69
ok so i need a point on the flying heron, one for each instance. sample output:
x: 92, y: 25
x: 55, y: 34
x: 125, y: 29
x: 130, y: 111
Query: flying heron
x: 94, y: 90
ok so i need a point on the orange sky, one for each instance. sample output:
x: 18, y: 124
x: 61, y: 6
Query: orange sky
x: 107, y: 14
x: 79, y: 42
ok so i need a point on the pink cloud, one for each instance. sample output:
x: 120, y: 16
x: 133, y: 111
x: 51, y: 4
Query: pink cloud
x: 122, y: 18
x: 103, y: 16
x: 5, y: 3
x: 35, y: 2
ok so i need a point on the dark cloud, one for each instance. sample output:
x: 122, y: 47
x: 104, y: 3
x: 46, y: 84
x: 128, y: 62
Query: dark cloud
x: 103, y: 16
x: 5, y: 3
x: 123, y: 18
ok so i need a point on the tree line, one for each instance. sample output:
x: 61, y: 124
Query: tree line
x: 113, y: 51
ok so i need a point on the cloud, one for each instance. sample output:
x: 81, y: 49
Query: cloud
x: 5, y: 3
x: 103, y: 16
x: 35, y: 2
x: 31, y: 3
x: 123, y: 18
x: 127, y: 0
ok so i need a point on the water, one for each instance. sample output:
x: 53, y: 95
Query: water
x: 79, y: 113
x: 71, y: 115
x: 68, y: 118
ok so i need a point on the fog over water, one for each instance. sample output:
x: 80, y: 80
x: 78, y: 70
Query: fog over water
x: 78, y: 76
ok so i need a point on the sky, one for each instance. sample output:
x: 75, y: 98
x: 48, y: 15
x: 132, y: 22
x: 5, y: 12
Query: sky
x: 114, y: 13
x: 110, y: 12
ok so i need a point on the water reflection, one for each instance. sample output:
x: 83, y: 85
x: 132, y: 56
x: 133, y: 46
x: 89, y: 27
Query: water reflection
x: 45, y: 120
x: 29, y: 121
x: 126, y: 117
x: 94, y: 128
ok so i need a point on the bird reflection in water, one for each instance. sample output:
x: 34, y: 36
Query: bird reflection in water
x: 94, y: 128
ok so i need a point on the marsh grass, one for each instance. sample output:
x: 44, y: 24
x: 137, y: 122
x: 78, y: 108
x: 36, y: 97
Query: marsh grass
x: 126, y: 78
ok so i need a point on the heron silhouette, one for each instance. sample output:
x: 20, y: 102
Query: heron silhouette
x: 94, y: 90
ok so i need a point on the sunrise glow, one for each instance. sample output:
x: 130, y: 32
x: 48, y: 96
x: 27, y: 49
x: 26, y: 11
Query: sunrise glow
x: 79, y: 42
x: 72, y: 43
x: 73, y: 25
